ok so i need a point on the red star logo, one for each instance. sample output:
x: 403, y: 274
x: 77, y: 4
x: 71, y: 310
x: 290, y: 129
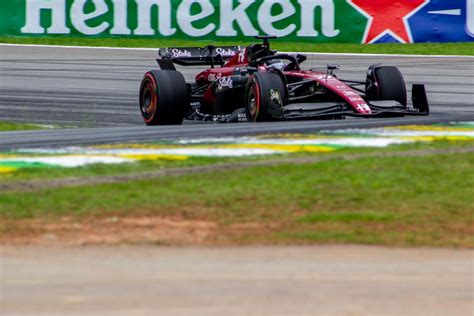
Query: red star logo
x: 388, y: 17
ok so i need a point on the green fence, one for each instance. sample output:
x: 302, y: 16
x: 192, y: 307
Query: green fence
x: 317, y: 21
x: 292, y: 20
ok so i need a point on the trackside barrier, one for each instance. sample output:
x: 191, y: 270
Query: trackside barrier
x: 318, y: 21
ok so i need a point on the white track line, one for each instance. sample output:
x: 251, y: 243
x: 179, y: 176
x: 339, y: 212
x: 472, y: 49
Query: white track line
x: 80, y: 47
x: 305, y: 53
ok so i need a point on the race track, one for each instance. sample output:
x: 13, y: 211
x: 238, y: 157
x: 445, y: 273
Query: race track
x: 257, y: 281
x: 95, y: 92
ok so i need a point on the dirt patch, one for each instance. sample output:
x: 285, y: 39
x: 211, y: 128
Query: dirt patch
x: 111, y: 231
x: 116, y: 230
x: 178, y: 230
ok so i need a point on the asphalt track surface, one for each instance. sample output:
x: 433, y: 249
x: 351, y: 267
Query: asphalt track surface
x: 271, y: 281
x: 95, y: 92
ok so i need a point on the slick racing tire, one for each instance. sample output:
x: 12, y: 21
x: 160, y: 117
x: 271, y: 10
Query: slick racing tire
x: 391, y: 85
x: 164, y: 98
x: 266, y: 95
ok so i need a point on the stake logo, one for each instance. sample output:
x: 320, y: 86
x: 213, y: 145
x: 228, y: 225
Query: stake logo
x: 177, y: 53
x: 225, y: 52
x: 225, y: 82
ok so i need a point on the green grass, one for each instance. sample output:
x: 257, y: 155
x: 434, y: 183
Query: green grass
x: 7, y: 126
x: 419, y: 49
x: 346, y: 217
x: 393, y: 201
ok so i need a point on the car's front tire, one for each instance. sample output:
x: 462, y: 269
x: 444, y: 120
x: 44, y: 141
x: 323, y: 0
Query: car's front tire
x: 164, y: 98
x: 266, y: 95
x: 387, y: 83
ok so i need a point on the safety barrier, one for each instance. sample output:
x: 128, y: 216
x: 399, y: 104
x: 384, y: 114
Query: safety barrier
x: 319, y: 21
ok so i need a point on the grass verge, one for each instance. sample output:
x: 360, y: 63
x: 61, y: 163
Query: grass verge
x: 410, y: 49
x: 7, y: 126
x: 408, y: 201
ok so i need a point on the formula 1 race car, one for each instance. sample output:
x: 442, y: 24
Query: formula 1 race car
x: 256, y: 84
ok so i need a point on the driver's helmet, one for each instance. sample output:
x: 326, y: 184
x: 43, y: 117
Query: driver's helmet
x: 276, y: 64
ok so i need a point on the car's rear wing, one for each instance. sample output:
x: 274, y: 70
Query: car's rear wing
x: 196, y: 56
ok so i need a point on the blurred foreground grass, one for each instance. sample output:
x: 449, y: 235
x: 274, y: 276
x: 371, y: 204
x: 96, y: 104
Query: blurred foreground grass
x: 408, y: 201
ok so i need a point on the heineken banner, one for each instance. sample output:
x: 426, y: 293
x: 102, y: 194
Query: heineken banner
x: 342, y: 21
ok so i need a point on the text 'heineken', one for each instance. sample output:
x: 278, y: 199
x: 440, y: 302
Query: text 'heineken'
x: 225, y: 13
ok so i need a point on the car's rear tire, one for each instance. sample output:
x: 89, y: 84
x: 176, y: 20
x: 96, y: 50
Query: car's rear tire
x: 265, y: 97
x: 390, y: 85
x: 164, y: 98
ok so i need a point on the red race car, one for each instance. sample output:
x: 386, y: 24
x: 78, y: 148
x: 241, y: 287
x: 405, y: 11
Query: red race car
x: 257, y: 84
